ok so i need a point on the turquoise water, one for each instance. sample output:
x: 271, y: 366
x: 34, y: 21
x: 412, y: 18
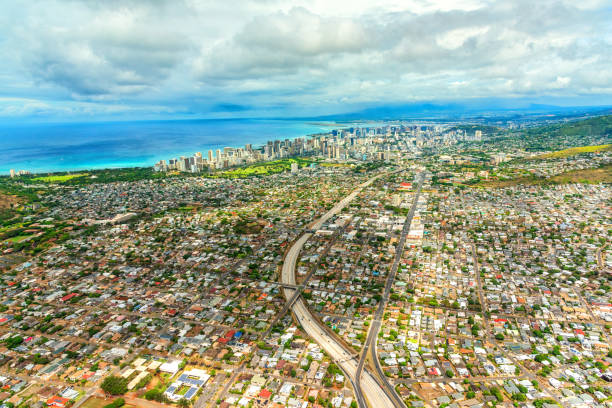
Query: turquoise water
x: 78, y: 146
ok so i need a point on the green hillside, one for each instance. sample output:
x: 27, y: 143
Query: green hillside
x: 581, y: 133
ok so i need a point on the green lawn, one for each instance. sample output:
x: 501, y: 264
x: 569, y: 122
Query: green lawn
x: 261, y: 169
x: 183, y: 390
x: 95, y: 402
x: 572, y: 151
x: 60, y: 178
x: 19, y: 238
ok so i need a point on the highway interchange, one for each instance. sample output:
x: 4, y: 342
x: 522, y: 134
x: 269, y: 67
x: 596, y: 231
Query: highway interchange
x: 366, y: 385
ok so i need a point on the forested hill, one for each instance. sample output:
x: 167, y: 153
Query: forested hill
x: 559, y: 136
x: 590, y: 131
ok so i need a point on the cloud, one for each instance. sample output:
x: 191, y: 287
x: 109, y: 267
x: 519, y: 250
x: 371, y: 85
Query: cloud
x: 109, y: 52
x: 282, y: 44
x: 240, y: 57
x: 503, y: 47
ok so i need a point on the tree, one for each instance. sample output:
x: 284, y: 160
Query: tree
x: 184, y: 403
x: 540, y: 358
x: 497, y: 393
x: 155, y: 394
x: 114, y: 385
x: 13, y: 342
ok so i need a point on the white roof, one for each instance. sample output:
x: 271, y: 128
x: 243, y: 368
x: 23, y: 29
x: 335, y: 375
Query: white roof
x: 170, y: 367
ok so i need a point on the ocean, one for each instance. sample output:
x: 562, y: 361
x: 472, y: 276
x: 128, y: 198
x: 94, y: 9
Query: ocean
x: 81, y: 146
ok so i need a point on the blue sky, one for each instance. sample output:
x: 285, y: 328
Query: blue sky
x: 129, y: 59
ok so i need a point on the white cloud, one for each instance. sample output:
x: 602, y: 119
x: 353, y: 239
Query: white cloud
x: 190, y: 54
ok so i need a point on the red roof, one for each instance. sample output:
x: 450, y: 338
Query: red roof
x: 264, y: 393
x: 56, y: 401
x: 230, y: 334
x: 68, y: 297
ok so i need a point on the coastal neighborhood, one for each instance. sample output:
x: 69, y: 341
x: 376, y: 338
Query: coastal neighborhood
x: 424, y: 266
x: 306, y: 204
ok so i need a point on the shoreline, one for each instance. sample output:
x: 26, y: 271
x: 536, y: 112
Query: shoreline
x: 148, y: 160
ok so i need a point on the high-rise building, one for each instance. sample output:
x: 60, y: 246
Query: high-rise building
x: 294, y: 167
x: 210, y: 156
x: 12, y: 173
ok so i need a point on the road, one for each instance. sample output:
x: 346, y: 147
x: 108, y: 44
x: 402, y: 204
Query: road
x: 345, y: 359
x: 370, y: 344
x: 302, y: 286
x: 600, y: 257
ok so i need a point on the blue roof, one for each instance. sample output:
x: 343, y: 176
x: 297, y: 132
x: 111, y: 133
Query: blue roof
x: 191, y: 381
x: 190, y: 393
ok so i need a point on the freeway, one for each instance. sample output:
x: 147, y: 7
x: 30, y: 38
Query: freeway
x: 370, y: 344
x: 299, y: 288
x: 345, y: 359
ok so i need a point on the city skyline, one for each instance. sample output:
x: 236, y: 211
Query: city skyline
x: 454, y: 265
x: 306, y: 204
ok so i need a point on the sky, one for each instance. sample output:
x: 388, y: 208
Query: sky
x: 101, y: 59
